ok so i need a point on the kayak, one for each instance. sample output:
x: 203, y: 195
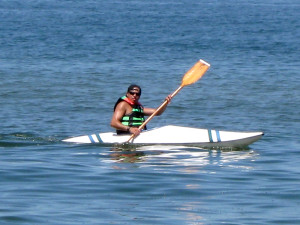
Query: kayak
x: 175, y: 135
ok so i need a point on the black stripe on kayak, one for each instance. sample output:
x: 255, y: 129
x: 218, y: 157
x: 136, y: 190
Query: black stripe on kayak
x: 210, y: 136
x: 99, y: 138
x: 91, y: 139
x: 218, y: 135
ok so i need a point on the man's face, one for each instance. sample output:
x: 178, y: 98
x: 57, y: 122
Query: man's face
x: 134, y: 94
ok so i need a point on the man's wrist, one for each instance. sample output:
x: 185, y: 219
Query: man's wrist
x: 128, y: 129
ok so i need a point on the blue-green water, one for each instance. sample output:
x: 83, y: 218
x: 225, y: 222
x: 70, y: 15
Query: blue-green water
x: 63, y: 64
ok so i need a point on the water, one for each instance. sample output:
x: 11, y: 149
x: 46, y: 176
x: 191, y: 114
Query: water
x: 65, y: 63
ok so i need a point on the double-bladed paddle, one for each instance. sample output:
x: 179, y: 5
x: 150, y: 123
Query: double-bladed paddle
x: 190, y: 77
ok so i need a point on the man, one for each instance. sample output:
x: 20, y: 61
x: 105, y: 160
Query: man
x: 129, y: 113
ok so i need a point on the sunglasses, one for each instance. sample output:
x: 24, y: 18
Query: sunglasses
x: 134, y: 93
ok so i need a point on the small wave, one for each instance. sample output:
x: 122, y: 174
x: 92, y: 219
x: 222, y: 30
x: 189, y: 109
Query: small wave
x: 24, y: 139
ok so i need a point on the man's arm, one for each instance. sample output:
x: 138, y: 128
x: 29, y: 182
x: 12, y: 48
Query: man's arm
x: 120, y: 111
x: 150, y: 111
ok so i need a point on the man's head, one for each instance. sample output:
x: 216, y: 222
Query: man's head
x: 133, y: 92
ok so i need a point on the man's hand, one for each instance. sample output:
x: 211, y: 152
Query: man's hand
x: 168, y: 98
x: 135, y: 130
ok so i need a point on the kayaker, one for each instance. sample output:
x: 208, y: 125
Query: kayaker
x: 129, y: 113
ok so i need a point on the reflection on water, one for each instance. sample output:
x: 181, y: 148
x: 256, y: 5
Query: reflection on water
x: 126, y: 156
x: 188, y: 159
x: 188, y: 209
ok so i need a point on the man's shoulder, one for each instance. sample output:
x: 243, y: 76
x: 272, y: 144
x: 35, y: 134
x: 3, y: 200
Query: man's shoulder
x: 123, y: 104
x: 120, y: 103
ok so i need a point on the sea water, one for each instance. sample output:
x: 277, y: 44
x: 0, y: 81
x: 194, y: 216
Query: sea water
x: 63, y: 64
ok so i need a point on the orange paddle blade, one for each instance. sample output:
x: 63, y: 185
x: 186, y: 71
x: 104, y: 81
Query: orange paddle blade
x: 195, y: 73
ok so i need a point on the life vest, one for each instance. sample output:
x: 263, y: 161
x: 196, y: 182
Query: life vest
x: 135, y: 118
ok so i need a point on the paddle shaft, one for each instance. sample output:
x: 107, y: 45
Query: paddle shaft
x: 155, y: 112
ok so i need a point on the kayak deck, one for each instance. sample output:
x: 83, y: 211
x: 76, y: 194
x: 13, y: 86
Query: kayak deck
x: 175, y: 135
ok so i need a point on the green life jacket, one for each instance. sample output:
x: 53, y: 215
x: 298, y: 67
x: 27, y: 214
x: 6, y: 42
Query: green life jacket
x: 135, y: 118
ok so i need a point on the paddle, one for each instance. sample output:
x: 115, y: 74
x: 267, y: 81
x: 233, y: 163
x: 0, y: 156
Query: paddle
x: 190, y: 77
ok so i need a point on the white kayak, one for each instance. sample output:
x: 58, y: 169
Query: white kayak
x: 175, y: 135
